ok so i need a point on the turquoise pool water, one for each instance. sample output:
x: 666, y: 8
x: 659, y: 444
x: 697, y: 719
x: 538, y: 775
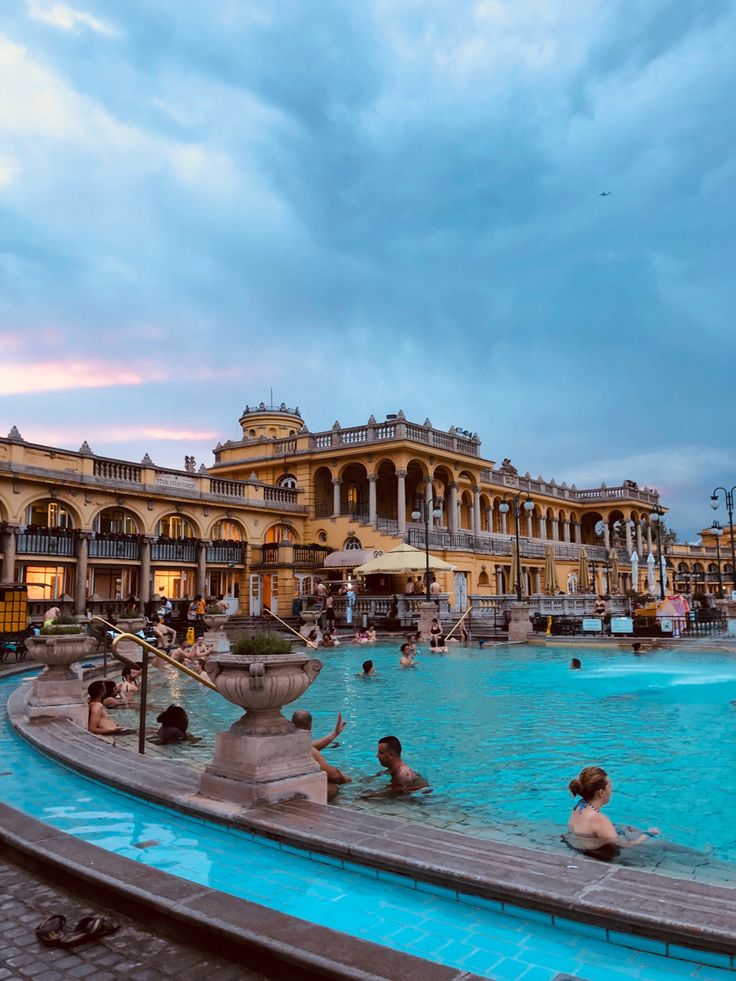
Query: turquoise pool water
x: 500, y: 733
x: 468, y: 934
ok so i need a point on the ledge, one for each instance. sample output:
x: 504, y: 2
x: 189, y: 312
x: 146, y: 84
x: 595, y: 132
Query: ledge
x: 614, y: 897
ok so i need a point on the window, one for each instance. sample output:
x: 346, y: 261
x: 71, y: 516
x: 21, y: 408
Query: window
x: 48, y: 582
x: 353, y: 543
x: 288, y: 480
x: 48, y: 514
x: 322, y: 537
x: 115, y: 521
x: 280, y: 533
x: 227, y: 531
x: 175, y: 526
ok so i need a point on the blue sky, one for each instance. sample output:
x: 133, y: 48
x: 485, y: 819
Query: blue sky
x: 375, y: 205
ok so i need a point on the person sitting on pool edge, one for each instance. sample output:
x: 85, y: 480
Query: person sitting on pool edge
x: 99, y: 722
x: 591, y: 832
x: 404, y: 780
x: 303, y: 720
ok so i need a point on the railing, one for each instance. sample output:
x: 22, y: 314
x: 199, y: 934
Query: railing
x: 394, y: 429
x: 41, y: 543
x: 280, y: 495
x: 112, y: 470
x: 104, y: 547
x: 270, y: 553
x: 231, y: 553
x: 183, y: 550
x: 531, y: 548
x: 228, y: 488
x: 310, y: 554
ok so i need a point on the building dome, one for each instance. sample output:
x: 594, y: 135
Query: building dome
x: 270, y: 421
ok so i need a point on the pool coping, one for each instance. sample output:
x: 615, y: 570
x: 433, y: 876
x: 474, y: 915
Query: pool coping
x: 553, y: 886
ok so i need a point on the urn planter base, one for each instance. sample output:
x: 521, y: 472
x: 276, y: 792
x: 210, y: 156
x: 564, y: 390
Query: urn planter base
x: 251, y: 769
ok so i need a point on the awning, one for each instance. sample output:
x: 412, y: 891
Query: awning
x: 348, y: 558
x: 403, y: 558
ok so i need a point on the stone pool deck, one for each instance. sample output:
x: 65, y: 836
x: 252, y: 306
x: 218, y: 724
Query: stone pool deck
x: 614, y: 899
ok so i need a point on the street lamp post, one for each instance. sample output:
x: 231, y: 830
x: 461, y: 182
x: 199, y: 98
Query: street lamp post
x: 425, y: 512
x: 729, y: 507
x: 656, y: 517
x: 717, y: 531
x: 504, y: 508
x: 594, y: 574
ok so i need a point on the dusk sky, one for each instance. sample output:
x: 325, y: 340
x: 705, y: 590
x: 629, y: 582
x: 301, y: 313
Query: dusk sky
x: 373, y: 205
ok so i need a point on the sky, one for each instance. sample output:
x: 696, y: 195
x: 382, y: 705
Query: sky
x: 370, y: 206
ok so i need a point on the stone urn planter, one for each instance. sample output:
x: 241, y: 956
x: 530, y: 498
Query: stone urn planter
x: 129, y: 625
x: 263, y: 757
x: 216, y: 623
x: 58, y: 691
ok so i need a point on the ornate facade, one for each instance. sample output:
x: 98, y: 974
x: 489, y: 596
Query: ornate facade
x: 259, y: 523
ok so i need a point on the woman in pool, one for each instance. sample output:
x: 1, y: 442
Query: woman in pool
x: 591, y: 832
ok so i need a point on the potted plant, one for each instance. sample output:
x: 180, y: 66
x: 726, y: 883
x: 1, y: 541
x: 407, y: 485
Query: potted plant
x: 129, y: 621
x: 58, y: 646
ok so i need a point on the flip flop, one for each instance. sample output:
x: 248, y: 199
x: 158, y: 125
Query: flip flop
x: 89, y: 928
x: 51, y: 931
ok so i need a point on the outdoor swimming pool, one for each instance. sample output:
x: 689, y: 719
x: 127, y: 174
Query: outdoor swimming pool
x: 499, y: 733
x: 468, y: 932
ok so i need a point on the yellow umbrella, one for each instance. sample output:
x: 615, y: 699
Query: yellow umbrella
x: 613, y: 574
x: 403, y: 558
x: 550, y: 572
x: 514, y: 572
x: 583, y: 574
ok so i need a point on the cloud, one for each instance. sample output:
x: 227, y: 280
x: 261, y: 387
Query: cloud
x: 59, y: 15
x: 67, y: 435
x: 22, y: 378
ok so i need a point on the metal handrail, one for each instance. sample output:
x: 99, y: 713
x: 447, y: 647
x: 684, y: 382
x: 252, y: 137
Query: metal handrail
x: 122, y: 635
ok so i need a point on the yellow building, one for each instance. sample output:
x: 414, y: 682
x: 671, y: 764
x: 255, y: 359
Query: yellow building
x: 259, y: 524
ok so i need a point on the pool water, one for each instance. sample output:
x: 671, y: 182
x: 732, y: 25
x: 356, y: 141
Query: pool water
x: 500, y: 733
x: 471, y: 934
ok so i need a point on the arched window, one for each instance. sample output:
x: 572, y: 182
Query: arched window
x: 48, y: 514
x: 175, y: 526
x: 281, y: 533
x: 288, y: 480
x: 115, y: 521
x: 353, y: 544
x: 353, y: 497
x: 227, y: 531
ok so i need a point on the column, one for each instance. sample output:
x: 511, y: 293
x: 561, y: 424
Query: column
x: 452, y: 508
x: 401, y: 500
x: 577, y: 533
x: 606, y: 535
x: 542, y: 526
x: 144, y: 578
x: 200, y: 578
x: 537, y: 581
x: 476, y: 510
x: 489, y: 520
x: 566, y: 529
x: 555, y: 530
x: 639, y: 542
x: 629, y: 542
x: 80, y: 579
x: 504, y: 523
x: 650, y: 544
x: 529, y: 526
x: 336, y: 497
x: 9, y: 543
x: 372, y: 498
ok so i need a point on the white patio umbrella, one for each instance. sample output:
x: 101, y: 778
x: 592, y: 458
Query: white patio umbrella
x: 635, y: 570
x: 403, y: 558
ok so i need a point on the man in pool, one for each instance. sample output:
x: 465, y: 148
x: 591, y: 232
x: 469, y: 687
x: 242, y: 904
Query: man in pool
x: 407, y: 657
x: 404, y: 780
x: 575, y: 664
x: 368, y: 670
x: 99, y: 722
x: 303, y: 720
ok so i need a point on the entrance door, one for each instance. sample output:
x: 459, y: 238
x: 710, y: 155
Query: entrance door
x: 461, y: 592
x: 274, y: 604
x: 255, y: 596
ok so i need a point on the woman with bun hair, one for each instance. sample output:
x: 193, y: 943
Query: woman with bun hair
x: 592, y: 832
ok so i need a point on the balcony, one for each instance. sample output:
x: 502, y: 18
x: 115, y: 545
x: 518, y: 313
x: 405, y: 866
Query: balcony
x: 115, y: 547
x: 178, y: 550
x: 233, y: 553
x: 531, y: 548
x: 50, y: 541
x: 288, y: 554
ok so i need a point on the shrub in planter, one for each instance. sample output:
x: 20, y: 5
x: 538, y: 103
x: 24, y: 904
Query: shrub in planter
x: 63, y: 624
x: 265, y: 642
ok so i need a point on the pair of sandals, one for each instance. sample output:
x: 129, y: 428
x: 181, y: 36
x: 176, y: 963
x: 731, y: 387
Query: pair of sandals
x: 51, y: 931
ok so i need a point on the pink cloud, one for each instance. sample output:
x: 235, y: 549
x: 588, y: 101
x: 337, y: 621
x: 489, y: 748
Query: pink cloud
x: 114, y: 434
x: 54, y: 376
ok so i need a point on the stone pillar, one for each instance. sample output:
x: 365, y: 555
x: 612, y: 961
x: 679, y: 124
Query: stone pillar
x: 566, y: 530
x: 9, y: 543
x: 372, y: 511
x: 578, y: 534
x: 537, y: 577
x: 476, y: 510
x: 555, y: 530
x: 629, y: 541
x: 401, y: 500
x: 489, y: 520
x: 80, y: 579
x: 144, y: 585
x: 504, y: 522
x: 639, y: 541
x: 606, y: 535
x: 336, y: 497
x: 650, y: 543
x: 200, y: 577
x: 520, y: 626
x: 529, y: 526
x: 542, y: 526
x: 452, y: 508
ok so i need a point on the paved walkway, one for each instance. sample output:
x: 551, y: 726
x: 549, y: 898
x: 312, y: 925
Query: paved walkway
x: 134, y: 952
